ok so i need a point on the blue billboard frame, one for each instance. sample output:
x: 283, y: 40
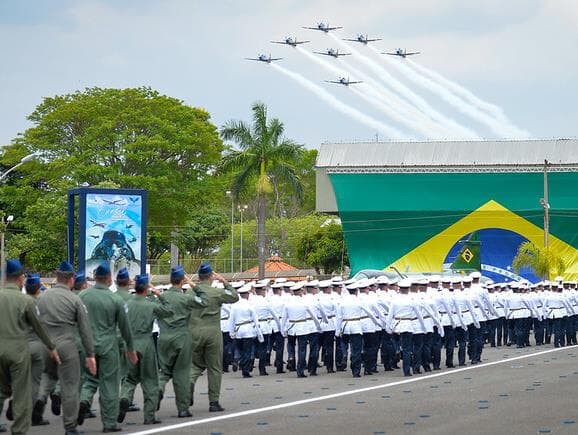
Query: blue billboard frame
x: 78, y: 232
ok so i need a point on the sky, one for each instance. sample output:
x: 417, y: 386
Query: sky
x: 518, y: 55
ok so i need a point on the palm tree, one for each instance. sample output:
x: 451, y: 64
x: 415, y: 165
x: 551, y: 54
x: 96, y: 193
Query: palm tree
x: 543, y: 261
x: 264, y: 158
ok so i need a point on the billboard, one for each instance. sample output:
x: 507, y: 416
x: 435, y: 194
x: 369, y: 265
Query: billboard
x: 111, y: 229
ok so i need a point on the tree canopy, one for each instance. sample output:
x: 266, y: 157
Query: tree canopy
x: 134, y: 138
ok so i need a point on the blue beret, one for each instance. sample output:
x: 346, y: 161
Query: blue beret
x: 14, y: 267
x: 65, y: 266
x: 33, y: 279
x: 122, y: 274
x: 177, y: 272
x: 102, y: 270
x: 141, y: 280
x: 80, y: 278
x: 205, y: 268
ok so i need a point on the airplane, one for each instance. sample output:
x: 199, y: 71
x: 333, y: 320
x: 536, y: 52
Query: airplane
x: 323, y: 27
x: 362, y: 39
x: 343, y: 81
x: 95, y: 236
x: 332, y: 52
x: 113, y: 202
x: 132, y: 240
x: 97, y: 224
x: 290, y: 41
x: 264, y: 58
x: 129, y: 226
x: 402, y: 53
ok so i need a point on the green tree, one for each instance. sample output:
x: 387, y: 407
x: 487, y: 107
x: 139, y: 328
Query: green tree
x: 263, y: 155
x: 134, y: 138
x: 204, y: 232
x: 324, y: 249
x: 543, y: 261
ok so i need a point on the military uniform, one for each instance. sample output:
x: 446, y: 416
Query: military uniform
x: 107, y: 312
x: 19, y: 312
x: 64, y: 316
x: 141, y: 314
x: 205, y: 329
x: 175, y: 345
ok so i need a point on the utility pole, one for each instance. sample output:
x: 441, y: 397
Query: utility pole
x: 546, y: 205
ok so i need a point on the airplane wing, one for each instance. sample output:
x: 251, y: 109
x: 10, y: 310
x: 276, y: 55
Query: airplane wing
x: 412, y: 53
x: 322, y: 53
x: 392, y: 54
x: 274, y: 58
x: 312, y: 28
x: 352, y: 40
x: 252, y: 58
x: 280, y: 42
x: 333, y: 28
x: 373, y: 40
x: 353, y: 83
x: 343, y: 54
x: 333, y: 81
x: 301, y: 42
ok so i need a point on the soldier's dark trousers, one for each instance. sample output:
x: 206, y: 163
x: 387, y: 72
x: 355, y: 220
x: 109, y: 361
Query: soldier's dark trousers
x: 406, y: 344
x: 314, y: 343
x: 278, y: 347
x: 291, y: 343
x: 416, y: 353
x: 356, y: 343
x: 491, y: 332
x: 511, y: 331
x: 557, y: 332
x: 328, y: 349
x: 246, y: 349
x: 436, y: 349
x: 501, y: 331
x: 262, y: 350
x: 302, y: 341
x: 426, y: 357
x: 340, y: 353
x: 462, y: 339
x: 370, y: 346
x: 474, y: 342
x: 450, y: 343
x: 539, y: 332
x: 547, y: 331
x: 387, y: 350
x: 571, y: 330
x: 519, y: 332
x: 228, y: 350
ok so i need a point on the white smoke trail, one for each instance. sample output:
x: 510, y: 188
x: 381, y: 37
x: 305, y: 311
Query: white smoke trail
x: 392, y: 109
x: 388, y: 131
x: 408, y: 94
x: 459, y: 90
x: 503, y: 129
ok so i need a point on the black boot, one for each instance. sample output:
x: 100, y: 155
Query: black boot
x: 215, y: 407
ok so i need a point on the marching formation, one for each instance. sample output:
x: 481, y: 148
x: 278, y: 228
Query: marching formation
x: 70, y: 341
x: 330, y: 323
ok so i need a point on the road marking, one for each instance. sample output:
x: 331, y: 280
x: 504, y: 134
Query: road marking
x: 342, y: 394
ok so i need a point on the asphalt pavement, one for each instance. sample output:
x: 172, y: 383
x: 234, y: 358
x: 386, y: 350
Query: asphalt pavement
x: 514, y: 391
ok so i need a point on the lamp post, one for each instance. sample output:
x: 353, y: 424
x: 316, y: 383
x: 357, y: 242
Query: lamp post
x: 229, y: 193
x: 22, y: 161
x: 242, y: 208
x: 546, y: 205
x: 4, y: 224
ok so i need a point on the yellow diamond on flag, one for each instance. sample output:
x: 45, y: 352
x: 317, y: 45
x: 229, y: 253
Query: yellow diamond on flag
x: 467, y: 255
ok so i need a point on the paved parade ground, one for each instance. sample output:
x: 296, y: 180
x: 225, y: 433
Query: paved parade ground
x: 514, y: 391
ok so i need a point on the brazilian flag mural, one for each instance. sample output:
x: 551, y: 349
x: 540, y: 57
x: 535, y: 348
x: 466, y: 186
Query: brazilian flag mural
x: 430, y: 222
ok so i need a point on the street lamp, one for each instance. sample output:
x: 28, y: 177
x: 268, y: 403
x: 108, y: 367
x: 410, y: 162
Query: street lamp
x: 242, y: 208
x: 22, y: 161
x: 229, y: 193
x: 3, y: 225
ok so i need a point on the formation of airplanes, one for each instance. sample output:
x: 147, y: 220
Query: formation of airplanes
x: 333, y: 52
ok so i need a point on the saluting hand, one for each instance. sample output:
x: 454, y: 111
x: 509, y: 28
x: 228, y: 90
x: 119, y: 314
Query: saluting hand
x: 219, y: 277
x: 133, y: 357
x: 90, y: 363
x: 55, y: 357
x: 190, y: 282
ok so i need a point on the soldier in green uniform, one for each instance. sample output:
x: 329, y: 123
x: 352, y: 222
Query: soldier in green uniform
x: 175, y: 344
x: 206, y: 333
x: 107, y: 312
x: 36, y: 347
x: 142, y: 311
x: 19, y: 313
x: 64, y: 316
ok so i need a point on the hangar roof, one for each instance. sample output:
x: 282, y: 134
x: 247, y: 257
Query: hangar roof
x: 449, y: 156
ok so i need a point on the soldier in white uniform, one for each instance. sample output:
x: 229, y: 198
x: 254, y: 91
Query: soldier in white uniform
x: 369, y: 329
x: 314, y: 339
x: 267, y: 318
x: 383, y: 302
x: 400, y: 320
x: 328, y: 302
x: 557, y: 308
x: 244, y: 327
x: 228, y: 342
x: 277, y: 303
x: 298, y: 321
x: 348, y: 324
x: 519, y: 310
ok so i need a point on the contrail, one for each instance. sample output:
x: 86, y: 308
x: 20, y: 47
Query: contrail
x: 407, y: 93
x: 342, y: 107
x: 503, y: 129
x: 459, y: 90
x: 403, y: 116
